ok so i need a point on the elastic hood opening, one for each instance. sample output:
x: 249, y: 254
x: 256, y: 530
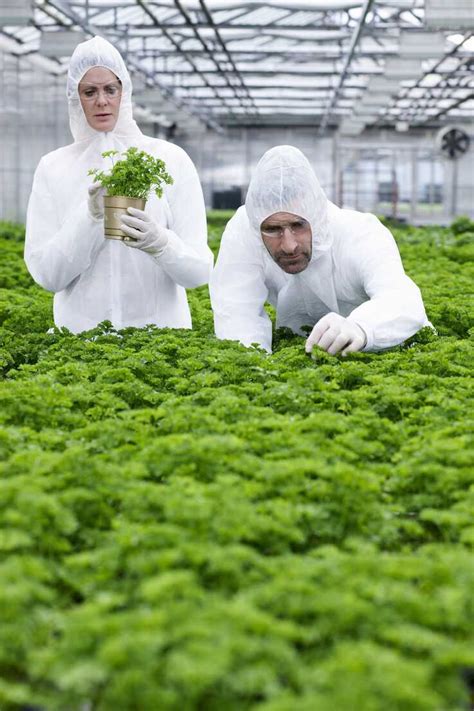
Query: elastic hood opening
x: 284, y: 181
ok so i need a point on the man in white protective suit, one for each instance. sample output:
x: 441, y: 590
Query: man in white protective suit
x: 132, y: 283
x: 338, y: 271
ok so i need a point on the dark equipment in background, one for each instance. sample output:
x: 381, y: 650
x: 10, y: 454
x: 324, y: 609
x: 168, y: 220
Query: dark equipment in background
x: 229, y: 199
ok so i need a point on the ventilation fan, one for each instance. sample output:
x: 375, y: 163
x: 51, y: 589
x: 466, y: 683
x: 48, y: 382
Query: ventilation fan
x: 452, y: 142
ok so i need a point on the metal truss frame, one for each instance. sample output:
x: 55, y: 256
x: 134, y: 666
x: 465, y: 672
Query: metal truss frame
x: 252, y: 63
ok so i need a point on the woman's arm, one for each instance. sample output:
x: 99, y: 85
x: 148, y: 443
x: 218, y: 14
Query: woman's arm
x: 187, y: 258
x: 58, y: 251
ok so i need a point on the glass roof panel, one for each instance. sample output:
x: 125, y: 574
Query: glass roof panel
x: 256, y: 52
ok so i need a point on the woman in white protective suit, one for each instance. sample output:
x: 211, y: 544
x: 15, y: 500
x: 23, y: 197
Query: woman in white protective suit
x: 131, y: 283
x: 338, y: 271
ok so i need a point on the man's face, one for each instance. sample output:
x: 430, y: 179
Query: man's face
x: 100, y: 93
x: 288, y: 240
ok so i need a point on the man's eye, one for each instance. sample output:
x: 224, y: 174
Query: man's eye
x: 272, y: 229
x: 89, y: 92
x: 298, y: 225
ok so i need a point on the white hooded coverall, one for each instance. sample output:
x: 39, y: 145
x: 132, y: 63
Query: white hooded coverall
x: 355, y: 268
x: 97, y: 279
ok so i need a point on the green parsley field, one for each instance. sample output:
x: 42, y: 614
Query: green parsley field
x: 190, y: 525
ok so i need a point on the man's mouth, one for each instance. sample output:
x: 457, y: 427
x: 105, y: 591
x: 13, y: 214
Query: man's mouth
x: 289, y: 258
x: 290, y: 262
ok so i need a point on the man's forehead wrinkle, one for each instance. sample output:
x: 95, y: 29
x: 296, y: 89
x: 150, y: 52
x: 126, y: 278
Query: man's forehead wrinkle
x: 284, y: 217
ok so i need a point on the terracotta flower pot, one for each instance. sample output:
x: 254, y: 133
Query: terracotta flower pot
x: 114, y: 207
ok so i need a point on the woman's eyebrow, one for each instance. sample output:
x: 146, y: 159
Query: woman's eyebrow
x: 94, y: 86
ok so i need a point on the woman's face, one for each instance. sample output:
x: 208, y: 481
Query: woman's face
x: 100, y: 93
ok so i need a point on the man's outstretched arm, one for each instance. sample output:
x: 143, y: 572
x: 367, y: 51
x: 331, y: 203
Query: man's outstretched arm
x: 237, y: 288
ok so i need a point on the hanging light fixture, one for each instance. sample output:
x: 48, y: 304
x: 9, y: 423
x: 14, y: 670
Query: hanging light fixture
x: 455, y: 15
x: 351, y: 127
x: 383, y: 85
x: 375, y: 100
x: 421, y: 45
x: 60, y: 43
x: 154, y: 98
x: 15, y: 12
x: 402, y: 69
x: 366, y: 114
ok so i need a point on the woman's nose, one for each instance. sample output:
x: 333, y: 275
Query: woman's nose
x: 101, y: 97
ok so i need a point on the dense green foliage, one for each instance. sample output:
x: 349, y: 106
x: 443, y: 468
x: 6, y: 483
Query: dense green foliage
x: 462, y: 224
x: 190, y: 525
x: 135, y: 175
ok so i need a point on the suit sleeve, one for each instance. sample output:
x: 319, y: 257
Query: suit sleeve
x: 57, y: 251
x: 394, y: 310
x: 187, y: 259
x: 238, y: 290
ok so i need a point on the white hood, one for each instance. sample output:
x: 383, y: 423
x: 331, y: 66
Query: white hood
x: 98, y: 52
x: 284, y: 181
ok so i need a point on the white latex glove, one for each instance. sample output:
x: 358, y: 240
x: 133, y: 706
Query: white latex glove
x: 145, y: 233
x: 334, y: 333
x: 95, y: 202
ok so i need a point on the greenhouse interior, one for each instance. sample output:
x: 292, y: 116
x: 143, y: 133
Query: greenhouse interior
x: 236, y: 413
x: 378, y: 95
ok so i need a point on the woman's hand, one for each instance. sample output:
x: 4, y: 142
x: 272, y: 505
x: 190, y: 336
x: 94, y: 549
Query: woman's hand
x: 143, y: 232
x: 95, y: 202
x: 334, y: 333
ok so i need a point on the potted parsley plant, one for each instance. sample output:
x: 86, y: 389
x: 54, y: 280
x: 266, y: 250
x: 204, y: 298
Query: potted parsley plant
x: 129, y: 183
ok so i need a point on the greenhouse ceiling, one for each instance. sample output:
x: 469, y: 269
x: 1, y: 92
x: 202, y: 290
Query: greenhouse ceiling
x: 232, y: 63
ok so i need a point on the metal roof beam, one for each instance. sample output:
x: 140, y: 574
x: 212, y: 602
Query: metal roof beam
x: 171, y: 39
x: 211, y: 55
x: 209, y: 18
x: 345, y: 70
x: 317, y: 33
x: 443, y: 77
x: 446, y: 110
x: 215, y: 61
x: 321, y: 55
x: 264, y: 73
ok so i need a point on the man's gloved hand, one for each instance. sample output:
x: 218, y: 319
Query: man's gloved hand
x: 149, y: 236
x: 95, y: 201
x: 334, y: 333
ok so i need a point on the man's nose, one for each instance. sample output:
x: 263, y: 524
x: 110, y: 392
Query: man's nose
x: 288, y: 242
